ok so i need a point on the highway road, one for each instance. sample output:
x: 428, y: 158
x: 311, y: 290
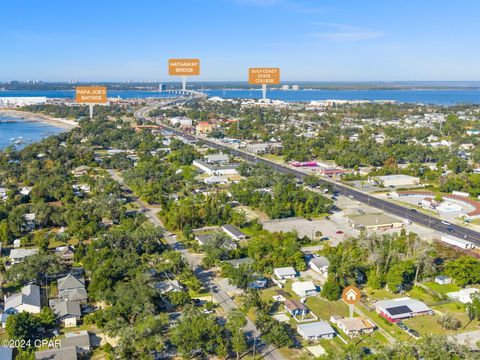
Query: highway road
x: 387, y: 206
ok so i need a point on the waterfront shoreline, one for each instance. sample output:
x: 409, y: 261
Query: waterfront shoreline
x: 29, y: 116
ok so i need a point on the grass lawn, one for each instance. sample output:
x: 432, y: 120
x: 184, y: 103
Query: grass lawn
x: 277, y: 158
x: 324, y: 308
x: 421, y: 294
x: 442, y: 289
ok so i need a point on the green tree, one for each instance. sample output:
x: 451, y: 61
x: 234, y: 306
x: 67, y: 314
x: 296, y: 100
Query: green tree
x: 236, y: 321
x: 197, y: 333
x: 331, y: 290
x: 465, y: 270
x: 23, y: 326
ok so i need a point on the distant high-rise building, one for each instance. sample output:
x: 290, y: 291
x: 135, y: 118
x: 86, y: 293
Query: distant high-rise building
x: 162, y: 87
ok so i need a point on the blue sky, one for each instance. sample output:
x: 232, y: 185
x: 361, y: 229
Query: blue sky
x: 318, y: 40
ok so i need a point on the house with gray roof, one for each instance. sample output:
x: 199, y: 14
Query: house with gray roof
x: 18, y: 255
x: 63, y: 353
x: 216, y: 159
x: 72, y: 288
x: 316, y: 330
x: 6, y: 353
x: 28, y: 300
x: 320, y: 264
x: 234, y: 232
x: 78, y: 339
x: 168, y: 286
x: 67, y: 312
x: 284, y: 273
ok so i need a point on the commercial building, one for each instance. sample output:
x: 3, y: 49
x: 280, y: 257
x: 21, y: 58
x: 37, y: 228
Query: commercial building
x: 216, y: 159
x: 264, y: 148
x: 182, y: 121
x: 395, y: 180
x: 374, y: 222
x: 203, y: 127
x: 403, y: 308
x: 212, y: 169
x: 10, y: 102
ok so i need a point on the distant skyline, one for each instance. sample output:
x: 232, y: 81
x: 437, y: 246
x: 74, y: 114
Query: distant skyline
x: 322, y: 40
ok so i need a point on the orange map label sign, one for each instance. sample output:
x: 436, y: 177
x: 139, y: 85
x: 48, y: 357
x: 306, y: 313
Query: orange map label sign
x: 184, y: 67
x: 91, y: 94
x: 260, y: 76
x: 351, y: 295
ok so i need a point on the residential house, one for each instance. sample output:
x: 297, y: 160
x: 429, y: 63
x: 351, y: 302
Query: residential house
x: 203, y: 239
x: 3, y: 194
x: 304, y: 288
x: 316, y: 330
x: 3, y: 319
x: 464, y: 295
x: 295, y: 308
x: 402, y: 308
x: 66, y: 253
x: 236, y: 263
x: 78, y: 339
x: 72, y: 287
x: 18, y: 255
x: 67, y: 312
x: 320, y: 265
x: 284, y: 273
x: 29, y: 222
x: 234, y: 232
x: 443, y: 280
x: 28, y: 300
x: 6, y: 353
x: 168, y: 286
x: 63, y: 353
x: 258, y: 283
x: 353, y: 326
x: 80, y: 171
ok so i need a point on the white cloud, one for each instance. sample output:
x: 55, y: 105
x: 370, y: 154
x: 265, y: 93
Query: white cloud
x: 342, y: 32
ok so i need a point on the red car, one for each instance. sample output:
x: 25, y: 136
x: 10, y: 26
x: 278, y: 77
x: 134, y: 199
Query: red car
x: 339, y: 232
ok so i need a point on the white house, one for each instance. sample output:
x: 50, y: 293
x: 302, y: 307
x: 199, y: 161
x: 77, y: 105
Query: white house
x: 320, y: 265
x: 463, y: 295
x: 316, y: 330
x: 304, y: 288
x: 28, y: 300
x: 443, y: 280
x: 285, y: 273
x: 234, y: 232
